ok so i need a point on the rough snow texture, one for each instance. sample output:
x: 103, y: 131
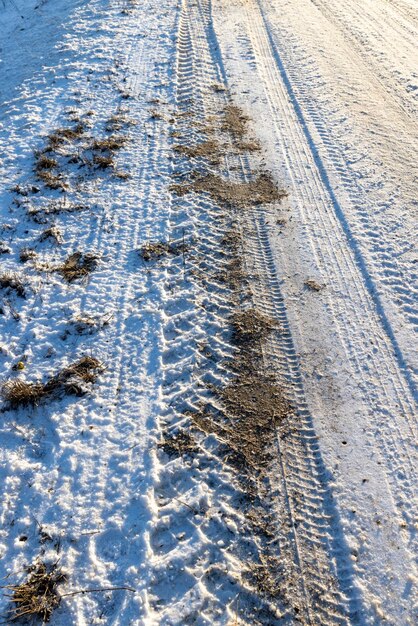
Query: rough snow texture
x: 330, y: 89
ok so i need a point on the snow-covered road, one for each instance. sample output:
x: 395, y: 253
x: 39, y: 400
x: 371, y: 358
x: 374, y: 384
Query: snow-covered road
x: 212, y: 477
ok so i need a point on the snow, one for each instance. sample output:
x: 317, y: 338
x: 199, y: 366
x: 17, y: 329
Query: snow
x: 330, y: 92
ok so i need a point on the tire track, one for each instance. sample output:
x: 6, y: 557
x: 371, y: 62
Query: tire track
x: 348, y: 258
x: 357, y: 21
x: 395, y: 277
x: 395, y: 393
x: 388, y: 402
x: 198, y: 506
x: 312, y: 547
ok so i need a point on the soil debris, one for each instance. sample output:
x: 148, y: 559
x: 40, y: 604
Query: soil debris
x: 155, y: 250
x: 250, y: 325
x: 266, y: 577
x: 253, y: 405
x: 209, y: 149
x: 235, y: 121
x: 261, y: 190
x: 248, y: 146
x: 179, y: 444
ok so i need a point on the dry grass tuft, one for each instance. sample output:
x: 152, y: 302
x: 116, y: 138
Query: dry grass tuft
x: 12, y: 282
x: 103, y: 162
x: 74, y: 378
x: 61, y: 136
x: 40, y: 215
x: 78, y: 266
x: 71, y: 380
x: 37, y: 596
x: 111, y: 144
x: 52, y: 181
x: 45, y: 163
x: 118, y: 121
x: 21, y: 190
x: 64, y: 135
x: 27, y: 254
x: 18, y: 393
x: 87, y: 325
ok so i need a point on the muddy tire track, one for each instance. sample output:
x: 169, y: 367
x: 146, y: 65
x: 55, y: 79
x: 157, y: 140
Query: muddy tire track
x: 306, y: 560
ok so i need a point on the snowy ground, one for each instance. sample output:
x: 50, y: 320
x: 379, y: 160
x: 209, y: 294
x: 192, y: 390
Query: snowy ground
x: 213, y: 477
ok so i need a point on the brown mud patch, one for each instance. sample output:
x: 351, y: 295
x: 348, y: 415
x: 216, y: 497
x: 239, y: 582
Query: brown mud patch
x: 234, y: 121
x: 261, y: 190
x: 243, y: 414
x: 179, y: 444
x: 253, y: 406
x: 210, y: 150
x: 250, y: 325
x: 153, y: 250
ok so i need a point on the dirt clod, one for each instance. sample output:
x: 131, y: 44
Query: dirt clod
x: 313, y: 285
